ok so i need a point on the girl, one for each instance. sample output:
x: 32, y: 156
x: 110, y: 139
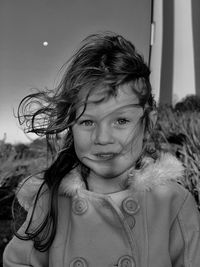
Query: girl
x: 105, y: 200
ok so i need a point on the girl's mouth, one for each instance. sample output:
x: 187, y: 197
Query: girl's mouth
x: 105, y: 156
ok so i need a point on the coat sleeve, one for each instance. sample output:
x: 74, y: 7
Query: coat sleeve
x: 185, y: 235
x: 21, y: 253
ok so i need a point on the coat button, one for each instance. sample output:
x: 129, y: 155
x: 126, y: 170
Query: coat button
x: 130, y: 221
x: 126, y: 261
x: 78, y: 262
x: 79, y: 206
x: 130, y: 205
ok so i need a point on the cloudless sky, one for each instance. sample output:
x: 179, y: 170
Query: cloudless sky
x: 25, y: 24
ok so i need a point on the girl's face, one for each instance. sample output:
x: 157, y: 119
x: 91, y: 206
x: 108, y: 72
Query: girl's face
x: 108, y: 137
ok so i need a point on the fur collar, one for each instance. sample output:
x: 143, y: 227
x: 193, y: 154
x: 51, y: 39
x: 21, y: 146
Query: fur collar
x: 166, y: 168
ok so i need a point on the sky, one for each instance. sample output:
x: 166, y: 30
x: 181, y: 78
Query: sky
x: 25, y: 63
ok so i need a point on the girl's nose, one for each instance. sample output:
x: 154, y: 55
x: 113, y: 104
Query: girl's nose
x: 103, y: 135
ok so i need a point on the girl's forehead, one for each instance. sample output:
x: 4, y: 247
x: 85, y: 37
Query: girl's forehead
x: 98, y: 102
x: 101, y: 93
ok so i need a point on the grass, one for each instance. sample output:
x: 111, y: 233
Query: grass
x: 179, y: 134
x: 16, y: 163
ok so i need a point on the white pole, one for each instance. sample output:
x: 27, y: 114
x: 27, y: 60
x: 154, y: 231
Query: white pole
x: 172, y: 55
x: 156, y: 46
x: 184, y: 68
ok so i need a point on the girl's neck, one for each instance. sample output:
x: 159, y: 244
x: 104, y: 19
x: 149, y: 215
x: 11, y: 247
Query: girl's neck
x: 104, y: 185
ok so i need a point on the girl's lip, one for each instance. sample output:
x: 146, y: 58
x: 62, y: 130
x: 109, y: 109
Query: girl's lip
x: 105, y: 156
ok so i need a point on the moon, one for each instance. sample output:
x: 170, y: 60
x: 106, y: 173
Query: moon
x: 45, y: 43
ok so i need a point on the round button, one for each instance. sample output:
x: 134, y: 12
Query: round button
x: 130, y: 205
x: 126, y: 261
x: 78, y: 262
x: 130, y: 221
x: 79, y: 206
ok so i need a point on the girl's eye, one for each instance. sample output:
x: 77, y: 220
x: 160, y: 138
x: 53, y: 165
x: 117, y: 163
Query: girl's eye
x: 87, y: 123
x: 122, y: 121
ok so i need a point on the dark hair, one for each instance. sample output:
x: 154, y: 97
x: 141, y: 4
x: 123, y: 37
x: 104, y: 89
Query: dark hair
x: 105, y: 59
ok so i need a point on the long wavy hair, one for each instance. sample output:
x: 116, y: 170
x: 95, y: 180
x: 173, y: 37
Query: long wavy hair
x: 107, y: 60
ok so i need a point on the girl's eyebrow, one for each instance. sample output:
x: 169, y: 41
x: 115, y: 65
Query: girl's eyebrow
x: 120, y: 109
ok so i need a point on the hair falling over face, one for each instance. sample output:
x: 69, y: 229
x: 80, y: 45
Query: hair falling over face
x: 105, y: 60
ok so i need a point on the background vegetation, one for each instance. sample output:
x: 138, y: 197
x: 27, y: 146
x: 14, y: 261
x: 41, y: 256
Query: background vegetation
x: 177, y: 131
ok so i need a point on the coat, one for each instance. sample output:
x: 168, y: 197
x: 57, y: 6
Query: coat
x: 154, y: 222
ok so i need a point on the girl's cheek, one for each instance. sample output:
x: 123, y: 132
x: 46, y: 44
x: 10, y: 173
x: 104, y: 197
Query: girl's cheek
x: 133, y: 139
x: 82, y: 142
x: 127, y: 136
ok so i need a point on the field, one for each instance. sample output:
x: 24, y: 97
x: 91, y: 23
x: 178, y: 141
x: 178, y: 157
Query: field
x: 16, y: 163
x: 177, y: 131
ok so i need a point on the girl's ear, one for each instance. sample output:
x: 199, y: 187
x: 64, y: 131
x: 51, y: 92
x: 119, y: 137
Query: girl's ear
x: 148, y: 147
x: 152, y: 119
x: 153, y: 115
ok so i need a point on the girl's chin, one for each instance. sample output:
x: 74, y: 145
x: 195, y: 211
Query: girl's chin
x: 108, y: 169
x: 107, y: 173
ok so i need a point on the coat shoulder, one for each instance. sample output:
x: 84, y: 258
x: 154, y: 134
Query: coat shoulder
x: 30, y: 189
x: 170, y: 196
x: 171, y: 190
